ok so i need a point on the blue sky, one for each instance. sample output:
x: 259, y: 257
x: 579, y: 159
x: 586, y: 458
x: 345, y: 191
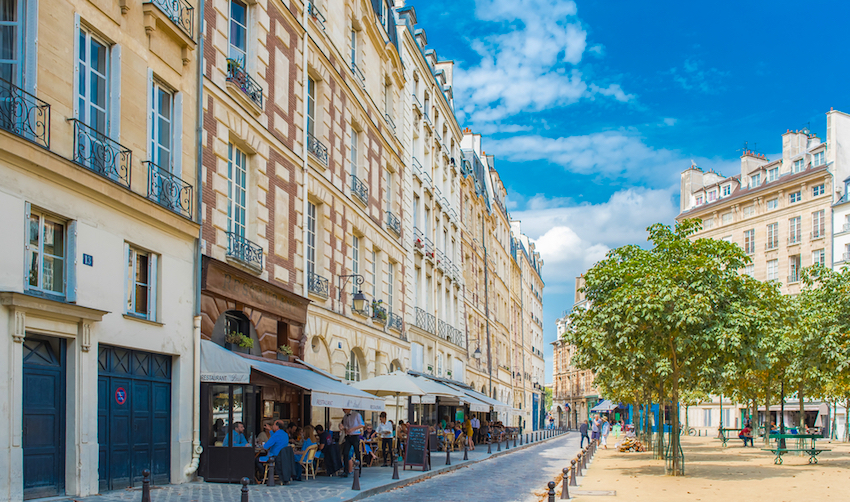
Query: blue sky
x: 593, y: 108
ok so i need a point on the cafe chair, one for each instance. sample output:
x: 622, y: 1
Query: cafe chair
x: 365, y: 457
x: 269, y: 465
x: 307, y: 461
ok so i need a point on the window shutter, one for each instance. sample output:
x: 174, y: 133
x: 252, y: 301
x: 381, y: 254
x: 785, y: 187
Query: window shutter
x: 115, y: 92
x: 128, y: 278
x: 153, y: 289
x: 376, y: 6
x: 27, y: 213
x: 76, y: 66
x: 71, y: 264
x: 30, y: 46
x: 151, y: 117
x: 177, y: 133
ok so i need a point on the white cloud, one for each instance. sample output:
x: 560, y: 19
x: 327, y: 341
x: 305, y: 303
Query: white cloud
x: 693, y: 76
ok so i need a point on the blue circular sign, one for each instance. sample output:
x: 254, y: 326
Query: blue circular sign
x: 120, y: 395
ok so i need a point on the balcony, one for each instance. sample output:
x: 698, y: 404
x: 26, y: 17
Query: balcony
x: 440, y: 259
x: 24, y: 115
x: 180, y: 12
x: 361, y: 79
x: 379, y: 312
x: 316, y: 15
x: 429, y: 249
x: 426, y: 180
x: 359, y: 190
x: 393, y: 223
x: 794, y: 240
x: 418, y: 240
x: 97, y: 152
x: 241, y: 249
x: 425, y: 321
x: 417, y: 168
x: 395, y: 322
x: 390, y: 122
x: 417, y: 105
x: 315, y: 147
x: 237, y: 76
x: 317, y: 285
x: 169, y: 191
x: 443, y: 329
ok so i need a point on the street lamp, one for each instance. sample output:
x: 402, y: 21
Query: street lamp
x: 358, y: 303
x: 477, y: 353
x: 358, y: 280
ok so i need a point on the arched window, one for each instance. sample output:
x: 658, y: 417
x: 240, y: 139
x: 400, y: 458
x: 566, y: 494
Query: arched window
x: 395, y: 366
x: 352, y: 368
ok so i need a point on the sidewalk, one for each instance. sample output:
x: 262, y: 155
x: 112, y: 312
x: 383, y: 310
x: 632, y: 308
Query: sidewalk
x: 713, y: 473
x: 323, y: 489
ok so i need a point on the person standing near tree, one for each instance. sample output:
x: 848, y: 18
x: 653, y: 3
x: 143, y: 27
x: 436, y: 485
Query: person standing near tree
x: 583, y: 430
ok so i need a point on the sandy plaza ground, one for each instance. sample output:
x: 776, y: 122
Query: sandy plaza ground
x: 715, y: 473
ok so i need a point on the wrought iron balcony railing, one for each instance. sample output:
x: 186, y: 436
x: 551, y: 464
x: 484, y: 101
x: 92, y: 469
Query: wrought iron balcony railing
x: 317, y: 285
x: 416, y: 103
x: 316, y: 14
x: 390, y: 122
x: 417, y: 168
x: 23, y: 114
x: 237, y: 75
x: 169, y: 191
x: 97, y: 152
x: 359, y: 189
x: 440, y: 259
x: 456, y: 337
x: 379, y: 313
x: 180, y: 12
x: 443, y: 329
x: 425, y: 321
x: 395, y: 322
x: 426, y: 180
x: 240, y: 248
x: 318, y: 150
x: 418, y: 240
x: 429, y: 249
x: 393, y: 223
x: 361, y: 79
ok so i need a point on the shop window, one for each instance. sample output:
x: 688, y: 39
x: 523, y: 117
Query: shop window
x: 352, y: 367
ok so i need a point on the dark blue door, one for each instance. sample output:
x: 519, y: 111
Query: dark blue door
x: 134, y: 416
x: 535, y: 413
x: 43, y: 416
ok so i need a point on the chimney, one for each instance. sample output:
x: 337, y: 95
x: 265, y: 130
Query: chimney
x: 750, y: 161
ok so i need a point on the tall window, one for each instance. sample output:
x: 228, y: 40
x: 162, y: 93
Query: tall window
x: 794, y: 268
x: 355, y: 260
x: 818, y: 257
x: 238, y: 32
x: 237, y: 175
x: 46, y: 254
x: 352, y: 368
x: 817, y: 190
x: 374, y: 273
x: 427, y: 104
x: 311, y: 238
x: 388, y: 99
x: 162, y: 120
x: 390, y: 285
x: 355, y: 140
x: 772, y: 270
x: 750, y: 270
x: 416, y: 211
x: 386, y: 15
x: 141, y: 283
x: 749, y: 241
x: 388, y: 183
x: 353, y: 47
x: 794, y: 230
x: 92, y: 88
x: 311, y: 107
x: 11, y: 40
x: 773, y: 236
x: 817, y: 224
x: 439, y: 365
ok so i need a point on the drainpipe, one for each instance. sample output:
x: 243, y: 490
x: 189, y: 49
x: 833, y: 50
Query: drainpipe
x: 487, y: 309
x: 304, y: 153
x: 196, y: 322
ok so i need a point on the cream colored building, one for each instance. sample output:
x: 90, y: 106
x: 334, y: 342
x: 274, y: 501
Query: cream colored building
x: 98, y: 197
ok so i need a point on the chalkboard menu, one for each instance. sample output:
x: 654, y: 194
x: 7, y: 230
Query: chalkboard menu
x: 416, y: 451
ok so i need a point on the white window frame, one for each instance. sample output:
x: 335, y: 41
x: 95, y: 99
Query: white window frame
x: 795, y: 232
x: 68, y: 257
x: 237, y: 185
x: 818, y: 224
x: 772, y: 235
x: 795, y: 197
x: 390, y: 286
x: 798, y: 166
x: 755, y: 180
x: 773, y: 174
x: 794, y: 266
x: 819, y: 257
x: 311, y: 238
x: 375, y: 288
x: 355, y: 260
x: 818, y: 159
x: 311, y: 106
x: 354, y: 46
x: 772, y: 204
x: 355, y: 140
x: 111, y: 77
x: 352, y: 367
x: 727, y: 190
x: 132, y: 255
x: 818, y: 190
x: 749, y: 211
x: 750, y: 241
x: 231, y: 48
x: 174, y: 121
x: 772, y: 270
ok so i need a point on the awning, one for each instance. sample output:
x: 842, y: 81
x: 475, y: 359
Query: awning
x: 434, y: 389
x: 219, y: 365
x: 605, y: 405
x: 497, y: 405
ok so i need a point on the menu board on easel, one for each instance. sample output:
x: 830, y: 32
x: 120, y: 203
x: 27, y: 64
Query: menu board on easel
x: 416, y: 451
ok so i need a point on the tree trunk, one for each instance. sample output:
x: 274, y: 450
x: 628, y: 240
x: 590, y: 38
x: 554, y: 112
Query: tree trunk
x: 767, y: 412
x: 674, y: 430
x: 801, y: 426
x: 847, y: 420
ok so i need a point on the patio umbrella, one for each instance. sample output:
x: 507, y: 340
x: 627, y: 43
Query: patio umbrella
x: 395, y: 384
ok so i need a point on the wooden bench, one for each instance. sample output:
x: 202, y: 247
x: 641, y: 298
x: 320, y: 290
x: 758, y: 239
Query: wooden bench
x: 812, y: 450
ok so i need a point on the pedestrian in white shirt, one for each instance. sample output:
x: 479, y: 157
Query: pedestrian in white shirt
x: 476, y: 424
x: 385, y: 431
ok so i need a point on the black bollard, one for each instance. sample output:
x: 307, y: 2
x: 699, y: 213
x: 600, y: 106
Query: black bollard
x: 579, y: 464
x: 448, y: 455
x: 551, y: 491
x: 507, y: 443
x: 527, y: 439
x: 270, y: 467
x: 356, y: 484
x: 515, y: 440
x: 499, y: 445
x: 565, y: 490
x: 465, y: 454
x: 395, y: 467
x: 573, y: 473
x: 584, y: 457
x: 520, y: 439
x: 489, y: 450
x: 146, y: 485
x: 245, y: 482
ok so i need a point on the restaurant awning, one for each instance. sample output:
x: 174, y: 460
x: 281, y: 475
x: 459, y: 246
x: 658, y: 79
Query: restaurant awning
x: 434, y: 389
x: 223, y: 366
x: 604, y: 406
x: 497, y: 405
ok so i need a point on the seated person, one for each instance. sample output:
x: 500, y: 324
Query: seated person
x: 237, y: 432
x: 267, y: 432
x: 457, y: 431
x: 276, y: 442
x: 747, y: 435
x: 369, y: 434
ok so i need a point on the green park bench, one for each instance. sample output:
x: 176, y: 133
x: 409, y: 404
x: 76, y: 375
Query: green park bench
x: 725, y: 438
x: 812, y: 450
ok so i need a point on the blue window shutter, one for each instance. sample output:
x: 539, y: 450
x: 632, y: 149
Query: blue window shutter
x: 153, y: 288
x: 71, y: 264
x: 76, y: 56
x: 151, y: 117
x: 177, y: 133
x: 115, y: 93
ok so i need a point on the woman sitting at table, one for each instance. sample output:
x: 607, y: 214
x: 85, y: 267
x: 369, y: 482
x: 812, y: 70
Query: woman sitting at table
x: 309, y: 440
x: 457, y: 430
x: 267, y: 432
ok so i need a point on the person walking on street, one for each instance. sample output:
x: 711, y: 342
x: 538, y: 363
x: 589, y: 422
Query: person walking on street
x: 606, y: 428
x: 594, y: 428
x: 583, y: 430
x: 352, y: 426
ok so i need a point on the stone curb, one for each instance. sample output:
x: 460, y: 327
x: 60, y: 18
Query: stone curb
x: 435, y: 472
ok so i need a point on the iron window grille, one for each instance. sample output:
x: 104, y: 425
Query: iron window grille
x: 359, y: 189
x: 240, y: 248
x: 318, y: 150
x: 395, y: 322
x: 393, y: 223
x: 169, y: 191
x: 97, y: 152
x: 237, y: 75
x: 317, y: 285
x: 180, y: 12
x: 24, y: 115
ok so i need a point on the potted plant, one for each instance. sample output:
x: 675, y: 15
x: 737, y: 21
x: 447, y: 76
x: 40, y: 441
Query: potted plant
x: 238, y: 342
x: 284, y: 353
x: 379, y: 313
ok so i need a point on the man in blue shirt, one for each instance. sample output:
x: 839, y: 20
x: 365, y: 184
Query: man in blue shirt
x: 278, y: 441
x: 238, y: 431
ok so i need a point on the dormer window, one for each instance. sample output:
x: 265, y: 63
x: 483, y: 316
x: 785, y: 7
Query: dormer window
x: 818, y: 159
x: 727, y: 190
x: 699, y: 200
x: 755, y: 180
x: 798, y: 166
x: 773, y: 174
x: 712, y: 196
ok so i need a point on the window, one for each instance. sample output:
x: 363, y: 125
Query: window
x: 11, y: 40
x: 388, y: 99
x: 390, y: 285
x: 727, y: 218
x: 749, y: 241
x: 352, y: 368
x: 773, y: 174
x: 817, y: 190
x: 795, y: 197
x: 699, y: 200
x: 772, y: 204
x: 386, y: 15
x: 355, y: 140
x: 712, y: 196
x: 311, y: 238
x: 311, y: 107
x: 727, y: 238
x: 439, y: 365
x: 755, y: 180
x: 706, y: 417
x: 353, y: 47
x: 818, y: 224
x: 238, y: 32
x: 772, y: 270
x: 388, y: 183
x: 749, y: 211
x: 141, y: 283
x: 772, y: 236
x: 727, y: 190
x: 794, y: 268
x: 750, y: 270
x: 161, y: 126
x: 818, y: 257
x: 45, y: 254
x: 798, y: 166
x: 818, y: 159
x: 355, y: 261
x: 237, y: 175
x: 794, y: 230
x: 93, y: 84
x: 374, y: 273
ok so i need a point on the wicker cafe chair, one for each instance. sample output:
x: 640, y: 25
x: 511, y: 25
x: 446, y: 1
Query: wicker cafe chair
x: 307, y: 461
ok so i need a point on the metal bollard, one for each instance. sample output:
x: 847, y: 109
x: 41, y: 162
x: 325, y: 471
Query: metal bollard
x: 520, y: 439
x: 584, y: 457
x: 507, y: 443
x: 573, y: 473
x: 245, y: 482
x: 499, y: 445
x: 515, y: 440
x: 551, y: 491
x: 356, y: 484
x: 579, y: 464
x: 146, y: 485
x: 565, y: 490
x: 448, y: 455
x: 395, y: 467
x: 489, y: 450
x: 270, y: 466
x: 465, y: 454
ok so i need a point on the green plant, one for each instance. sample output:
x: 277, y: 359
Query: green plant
x: 379, y: 312
x: 239, y: 339
x: 285, y: 350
